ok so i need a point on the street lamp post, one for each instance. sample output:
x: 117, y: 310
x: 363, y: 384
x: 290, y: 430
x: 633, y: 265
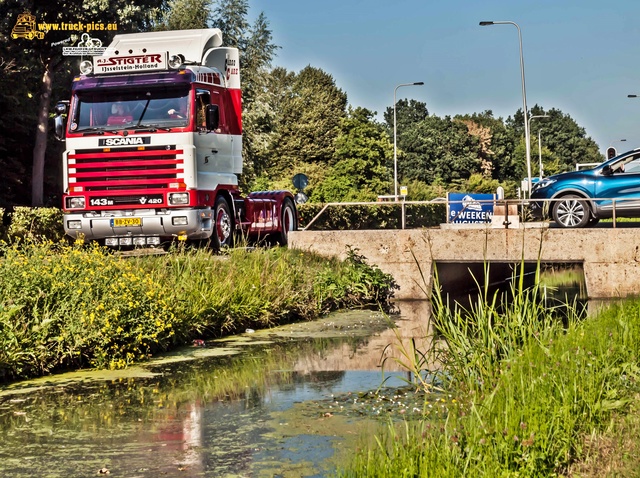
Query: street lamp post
x: 539, y: 147
x: 527, y: 138
x: 616, y: 141
x: 540, y: 152
x: 395, y: 141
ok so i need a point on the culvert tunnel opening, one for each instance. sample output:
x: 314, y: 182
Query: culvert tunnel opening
x: 462, y: 283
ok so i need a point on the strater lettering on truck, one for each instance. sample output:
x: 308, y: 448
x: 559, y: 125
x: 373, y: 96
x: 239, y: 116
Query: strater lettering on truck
x: 117, y: 64
x: 132, y: 140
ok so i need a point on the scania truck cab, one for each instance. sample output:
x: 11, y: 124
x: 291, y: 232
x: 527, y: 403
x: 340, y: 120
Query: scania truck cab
x: 154, y: 146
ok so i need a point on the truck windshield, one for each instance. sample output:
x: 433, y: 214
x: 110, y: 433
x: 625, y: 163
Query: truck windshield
x: 108, y: 110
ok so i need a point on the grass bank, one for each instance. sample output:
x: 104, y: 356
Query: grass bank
x: 65, y: 307
x: 534, y: 394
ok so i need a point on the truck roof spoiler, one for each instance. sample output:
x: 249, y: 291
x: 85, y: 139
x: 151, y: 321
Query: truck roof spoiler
x: 191, y: 44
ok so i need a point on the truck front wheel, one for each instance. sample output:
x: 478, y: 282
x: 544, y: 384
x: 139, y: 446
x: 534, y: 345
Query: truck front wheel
x: 223, y: 225
x: 288, y: 221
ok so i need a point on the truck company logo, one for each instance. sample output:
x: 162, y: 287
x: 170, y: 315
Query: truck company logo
x: 130, y: 141
x: 116, y: 64
x: 86, y: 46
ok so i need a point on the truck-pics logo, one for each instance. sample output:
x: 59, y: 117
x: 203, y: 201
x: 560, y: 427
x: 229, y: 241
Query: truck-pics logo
x: 28, y: 27
x: 132, y: 141
x: 25, y: 27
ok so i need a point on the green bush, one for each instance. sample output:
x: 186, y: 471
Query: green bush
x: 385, y: 215
x: 36, y: 224
x: 62, y: 307
x: 65, y: 306
x: 3, y: 228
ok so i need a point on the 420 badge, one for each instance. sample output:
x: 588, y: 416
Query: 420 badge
x: 154, y: 199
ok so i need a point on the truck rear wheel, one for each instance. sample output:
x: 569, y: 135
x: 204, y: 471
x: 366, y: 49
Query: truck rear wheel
x: 222, y: 236
x: 288, y: 221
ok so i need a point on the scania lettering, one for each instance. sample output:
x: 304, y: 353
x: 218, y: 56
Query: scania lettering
x: 153, y: 137
x: 121, y: 141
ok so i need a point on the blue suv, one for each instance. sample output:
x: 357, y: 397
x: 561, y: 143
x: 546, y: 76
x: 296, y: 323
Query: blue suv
x: 583, y: 197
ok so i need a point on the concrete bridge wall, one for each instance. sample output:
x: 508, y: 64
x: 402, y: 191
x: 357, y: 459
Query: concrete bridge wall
x: 610, y: 257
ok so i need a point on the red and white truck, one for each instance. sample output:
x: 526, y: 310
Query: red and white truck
x: 154, y: 145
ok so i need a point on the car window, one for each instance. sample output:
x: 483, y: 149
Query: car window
x: 632, y: 166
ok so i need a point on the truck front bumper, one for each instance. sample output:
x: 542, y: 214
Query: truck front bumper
x: 141, y: 226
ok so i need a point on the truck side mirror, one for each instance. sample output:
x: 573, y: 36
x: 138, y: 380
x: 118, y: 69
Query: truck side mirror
x: 58, y: 120
x: 58, y: 123
x: 213, y: 117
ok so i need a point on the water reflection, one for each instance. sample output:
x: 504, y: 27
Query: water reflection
x: 262, y: 404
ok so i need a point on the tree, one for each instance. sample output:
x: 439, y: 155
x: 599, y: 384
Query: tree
x: 47, y: 52
x: 310, y: 109
x: 408, y: 113
x: 497, y: 145
x: 230, y: 16
x: 362, y: 156
x: 562, y: 136
x: 438, y: 149
x: 185, y: 15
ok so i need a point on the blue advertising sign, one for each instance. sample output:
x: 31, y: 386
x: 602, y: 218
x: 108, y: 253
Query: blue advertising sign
x: 469, y: 208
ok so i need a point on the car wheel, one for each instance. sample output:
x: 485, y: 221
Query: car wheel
x: 571, y: 211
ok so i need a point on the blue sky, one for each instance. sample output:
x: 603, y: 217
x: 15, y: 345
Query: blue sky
x: 580, y: 56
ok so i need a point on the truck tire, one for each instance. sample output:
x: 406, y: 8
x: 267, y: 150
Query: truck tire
x: 571, y: 211
x: 288, y: 221
x: 222, y: 236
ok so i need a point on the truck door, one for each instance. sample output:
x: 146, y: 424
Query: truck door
x: 213, y: 148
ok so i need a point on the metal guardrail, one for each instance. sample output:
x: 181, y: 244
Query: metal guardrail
x: 521, y: 203
x: 401, y: 203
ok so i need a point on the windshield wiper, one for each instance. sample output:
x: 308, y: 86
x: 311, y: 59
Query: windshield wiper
x: 147, y: 127
x: 92, y: 130
x: 101, y: 130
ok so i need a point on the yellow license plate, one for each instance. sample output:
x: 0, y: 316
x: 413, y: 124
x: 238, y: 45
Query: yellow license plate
x: 126, y: 221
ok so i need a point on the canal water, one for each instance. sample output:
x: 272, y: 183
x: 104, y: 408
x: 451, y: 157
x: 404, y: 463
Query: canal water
x: 294, y: 401
x: 287, y: 402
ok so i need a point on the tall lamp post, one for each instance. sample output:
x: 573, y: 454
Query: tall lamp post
x: 527, y: 138
x: 539, y: 147
x: 617, y: 141
x: 540, y: 153
x: 395, y: 141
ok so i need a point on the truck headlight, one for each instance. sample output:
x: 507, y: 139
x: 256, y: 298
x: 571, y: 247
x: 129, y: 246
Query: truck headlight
x: 179, y: 221
x: 178, y: 198
x: 75, y: 202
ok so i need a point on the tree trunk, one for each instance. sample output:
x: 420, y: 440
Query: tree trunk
x: 40, y: 146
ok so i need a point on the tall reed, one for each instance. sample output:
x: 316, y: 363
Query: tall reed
x: 530, y: 389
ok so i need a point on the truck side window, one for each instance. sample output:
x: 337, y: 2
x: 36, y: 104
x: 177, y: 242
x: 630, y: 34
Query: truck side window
x: 217, y: 100
x: 202, y: 100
